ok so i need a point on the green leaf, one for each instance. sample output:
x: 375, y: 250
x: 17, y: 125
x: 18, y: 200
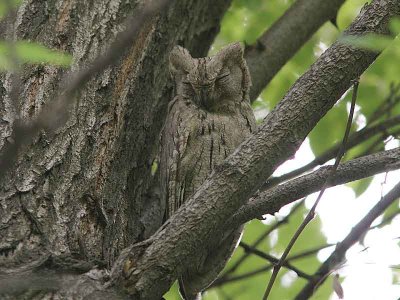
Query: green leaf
x: 369, y: 98
x: 360, y: 186
x: 246, y: 20
x: 370, y: 41
x: 373, y: 144
x: 34, y: 53
x: 330, y: 129
x: 281, y: 83
x: 173, y: 293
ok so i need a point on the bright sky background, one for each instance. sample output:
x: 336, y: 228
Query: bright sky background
x: 368, y: 271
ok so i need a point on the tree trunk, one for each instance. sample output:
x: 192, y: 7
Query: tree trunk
x: 83, y: 192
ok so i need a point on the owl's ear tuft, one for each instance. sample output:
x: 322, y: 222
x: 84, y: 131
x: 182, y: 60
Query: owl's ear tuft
x: 233, y: 53
x: 180, y: 60
x: 232, y: 57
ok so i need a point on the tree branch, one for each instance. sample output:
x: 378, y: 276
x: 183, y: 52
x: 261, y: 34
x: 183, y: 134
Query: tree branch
x: 270, y: 201
x: 355, y: 234
x: 147, y: 273
x: 285, y: 37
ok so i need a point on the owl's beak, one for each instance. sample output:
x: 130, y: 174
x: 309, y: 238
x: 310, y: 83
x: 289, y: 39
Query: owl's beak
x: 204, y: 95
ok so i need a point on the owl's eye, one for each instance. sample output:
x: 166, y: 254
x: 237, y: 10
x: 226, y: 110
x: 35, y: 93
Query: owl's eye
x: 223, y: 75
x: 185, y: 82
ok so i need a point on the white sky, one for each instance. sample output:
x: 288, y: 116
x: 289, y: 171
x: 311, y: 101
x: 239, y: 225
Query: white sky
x: 367, y: 273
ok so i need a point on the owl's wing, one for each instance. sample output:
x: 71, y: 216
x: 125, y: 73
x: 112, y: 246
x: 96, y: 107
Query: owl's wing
x: 174, y: 143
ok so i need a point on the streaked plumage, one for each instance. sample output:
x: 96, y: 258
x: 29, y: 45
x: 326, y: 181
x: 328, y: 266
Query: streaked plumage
x: 208, y: 118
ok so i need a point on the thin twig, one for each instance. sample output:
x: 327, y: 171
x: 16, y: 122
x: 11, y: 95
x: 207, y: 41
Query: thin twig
x: 311, y: 213
x: 274, y: 260
x: 309, y: 252
x: 55, y: 114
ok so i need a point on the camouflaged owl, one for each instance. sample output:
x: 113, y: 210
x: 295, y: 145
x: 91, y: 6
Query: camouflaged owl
x: 207, y: 119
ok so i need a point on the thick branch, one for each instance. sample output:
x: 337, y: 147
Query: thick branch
x: 147, y: 274
x: 270, y: 201
x: 355, y: 234
x: 285, y: 37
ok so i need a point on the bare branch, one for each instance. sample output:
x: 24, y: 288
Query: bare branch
x: 337, y: 257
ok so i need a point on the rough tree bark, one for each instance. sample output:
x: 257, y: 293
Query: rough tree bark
x: 82, y: 193
x: 76, y: 198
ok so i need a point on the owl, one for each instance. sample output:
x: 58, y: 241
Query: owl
x: 208, y: 118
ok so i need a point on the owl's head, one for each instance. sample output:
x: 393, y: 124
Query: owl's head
x: 212, y: 83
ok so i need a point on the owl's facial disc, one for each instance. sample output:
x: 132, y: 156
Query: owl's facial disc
x: 203, y: 86
x: 204, y: 95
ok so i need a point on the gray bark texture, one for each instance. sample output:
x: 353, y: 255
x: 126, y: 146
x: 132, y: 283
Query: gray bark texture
x: 82, y: 194
x: 80, y: 201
